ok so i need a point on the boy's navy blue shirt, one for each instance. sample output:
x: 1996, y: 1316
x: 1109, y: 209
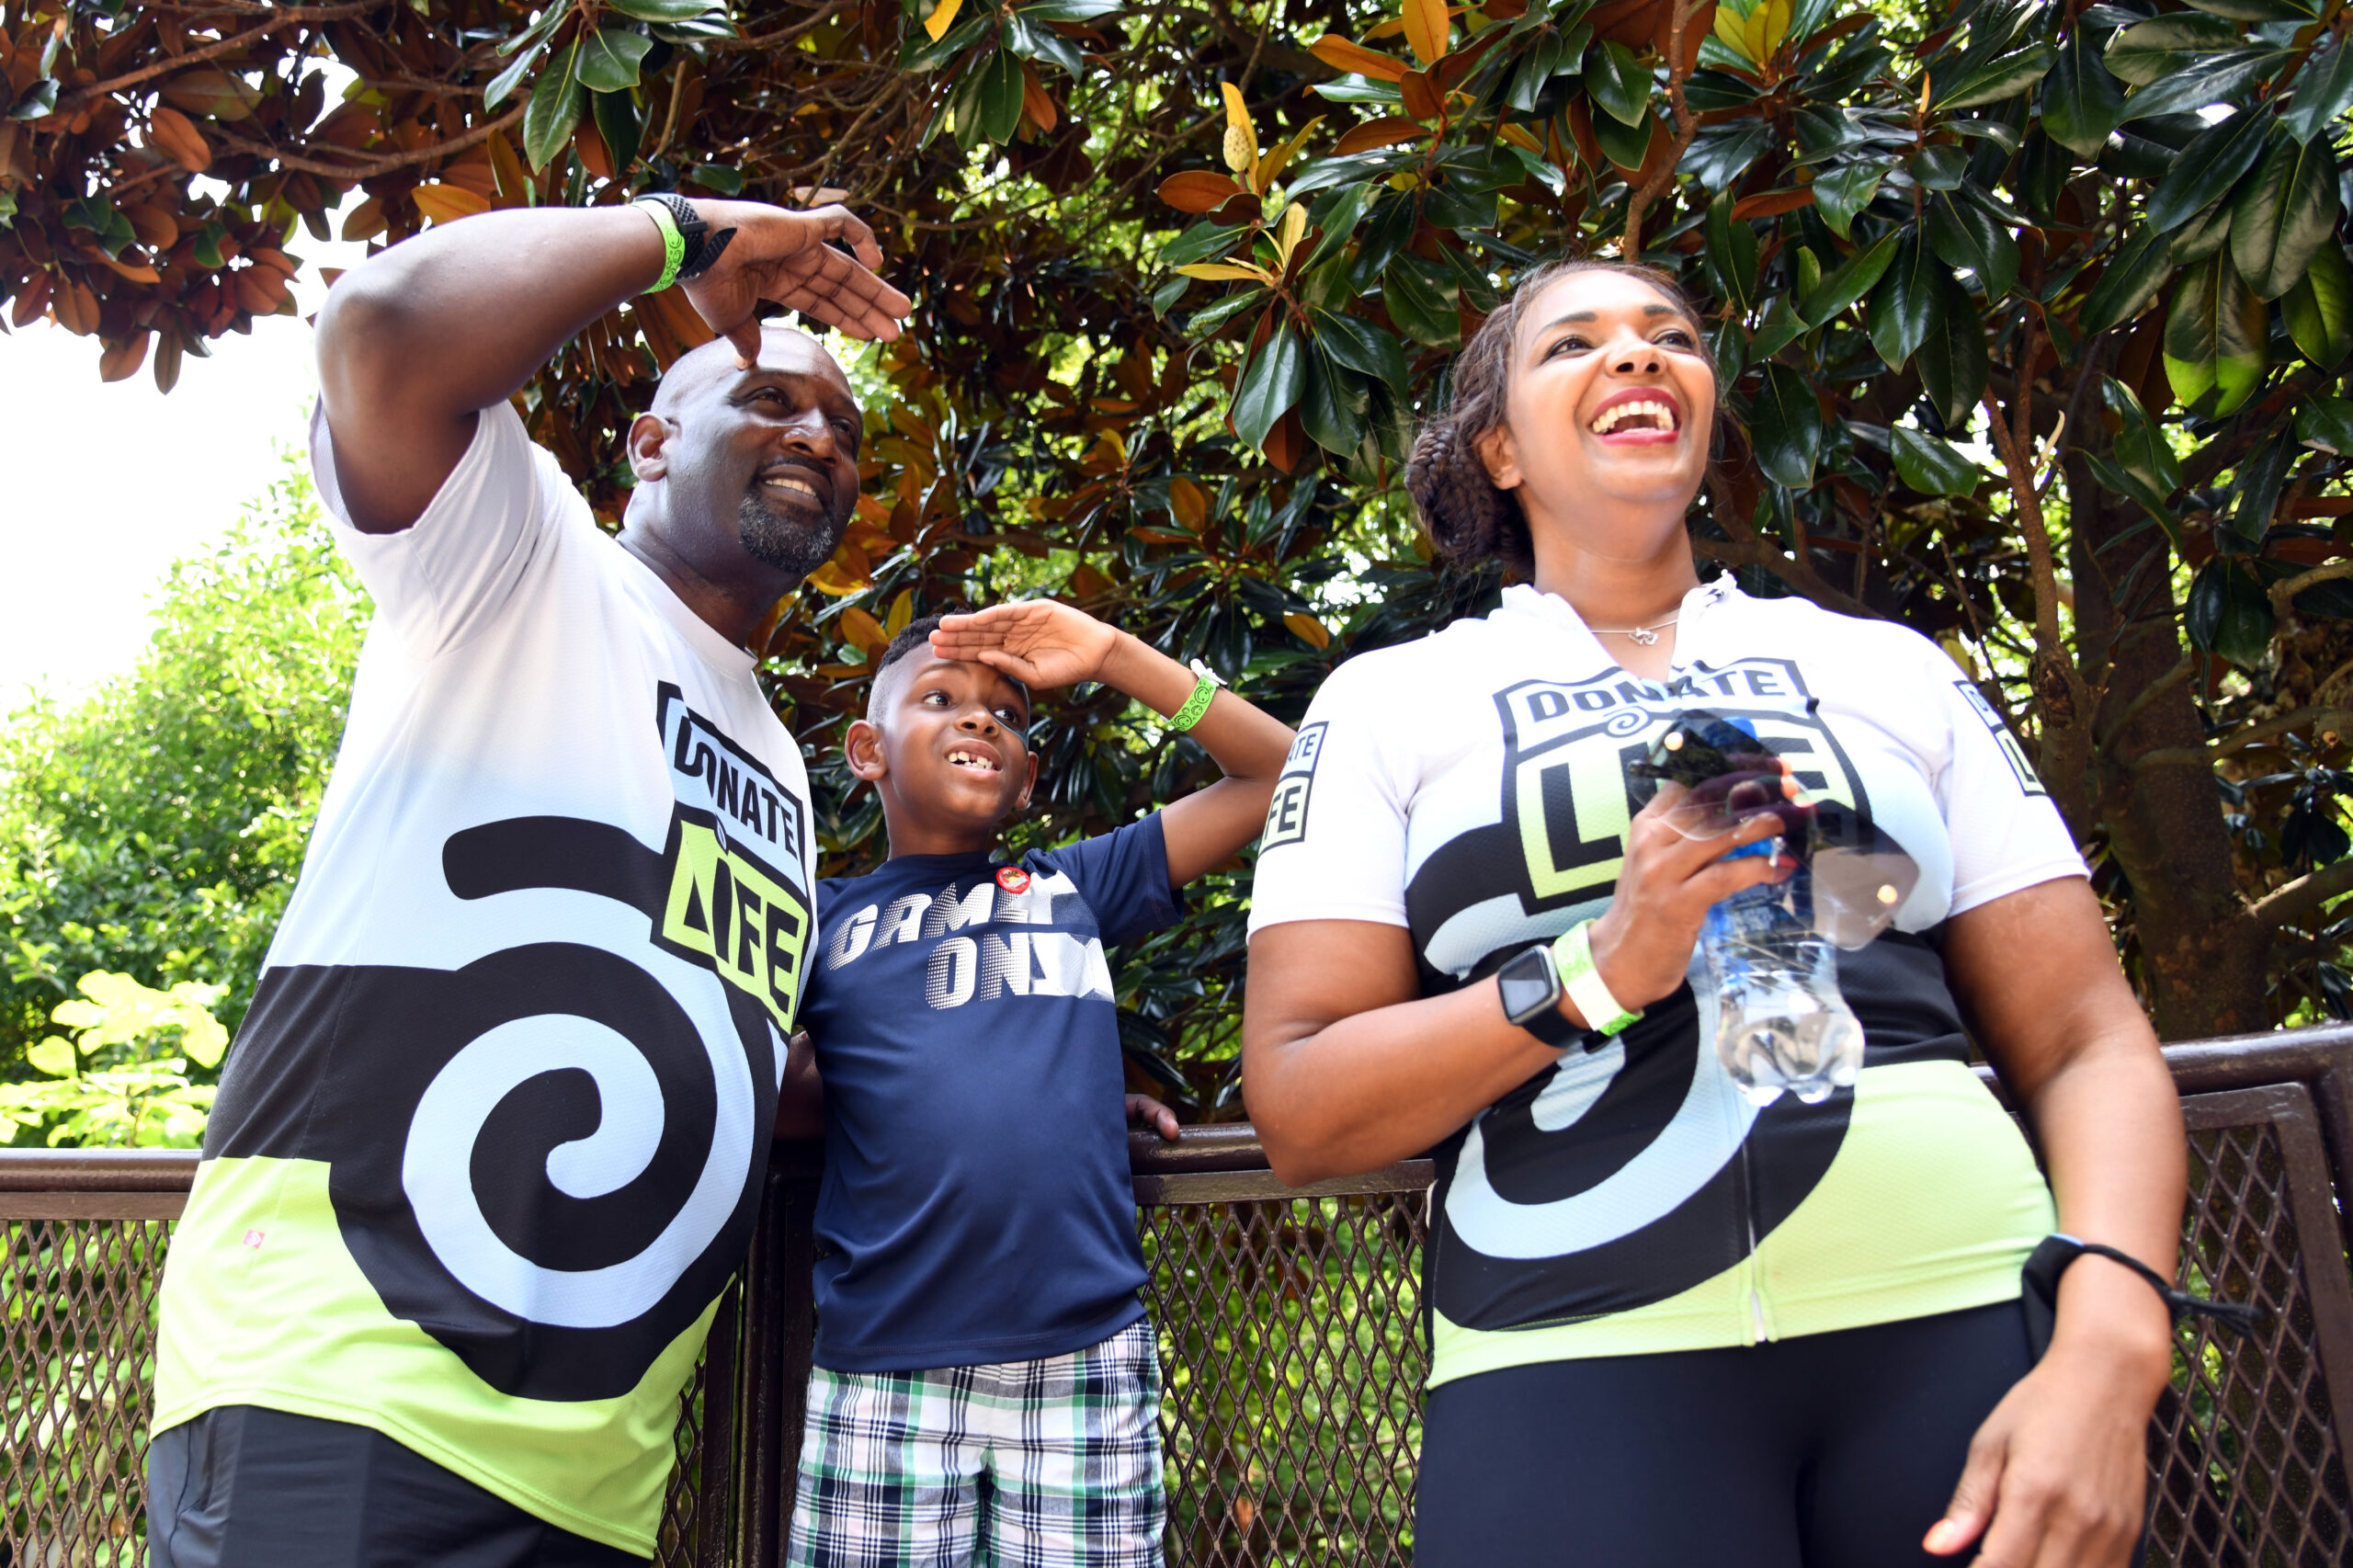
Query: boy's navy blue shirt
x: 977, y: 1205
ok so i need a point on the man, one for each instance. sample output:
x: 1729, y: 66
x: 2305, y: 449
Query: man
x: 489, y: 1145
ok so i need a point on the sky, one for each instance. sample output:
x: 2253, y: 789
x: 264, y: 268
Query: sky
x: 109, y: 484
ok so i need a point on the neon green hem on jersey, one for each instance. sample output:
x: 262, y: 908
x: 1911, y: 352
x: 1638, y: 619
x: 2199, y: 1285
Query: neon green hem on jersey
x: 1931, y: 1206
x: 263, y: 1305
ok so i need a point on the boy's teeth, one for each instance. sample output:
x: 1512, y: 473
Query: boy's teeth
x: 1658, y: 416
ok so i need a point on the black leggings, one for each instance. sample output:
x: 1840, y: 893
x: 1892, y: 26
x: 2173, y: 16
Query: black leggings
x: 1835, y: 1450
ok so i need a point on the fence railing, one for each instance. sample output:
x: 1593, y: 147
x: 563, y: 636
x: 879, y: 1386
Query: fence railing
x: 1291, y: 1339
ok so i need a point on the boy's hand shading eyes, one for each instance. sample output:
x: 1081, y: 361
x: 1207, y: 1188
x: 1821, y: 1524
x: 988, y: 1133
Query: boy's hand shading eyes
x: 1146, y: 1111
x: 1037, y: 642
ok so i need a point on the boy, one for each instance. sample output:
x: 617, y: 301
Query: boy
x: 985, y: 1387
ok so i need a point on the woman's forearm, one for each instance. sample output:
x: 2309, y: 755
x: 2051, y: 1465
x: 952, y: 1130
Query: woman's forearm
x: 1378, y: 1086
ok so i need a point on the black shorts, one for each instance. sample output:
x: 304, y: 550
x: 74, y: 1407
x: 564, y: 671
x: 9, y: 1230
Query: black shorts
x: 245, y: 1487
x: 1834, y: 1451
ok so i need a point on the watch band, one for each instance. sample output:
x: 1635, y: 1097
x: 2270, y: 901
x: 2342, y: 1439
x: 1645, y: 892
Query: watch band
x: 698, y: 246
x: 1572, y: 954
x: 674, y: 243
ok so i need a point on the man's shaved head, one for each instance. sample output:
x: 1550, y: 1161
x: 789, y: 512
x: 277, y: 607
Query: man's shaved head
x: 713, y: 363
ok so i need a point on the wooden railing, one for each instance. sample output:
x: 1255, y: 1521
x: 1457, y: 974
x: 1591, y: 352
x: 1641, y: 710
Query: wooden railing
x: 1291, y: 1338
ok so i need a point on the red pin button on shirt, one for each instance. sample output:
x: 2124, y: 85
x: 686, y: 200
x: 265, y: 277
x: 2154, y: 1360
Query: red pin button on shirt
x: 1013, y: 879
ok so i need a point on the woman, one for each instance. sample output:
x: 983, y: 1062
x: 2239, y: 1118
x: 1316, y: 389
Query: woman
x: 1669, y: 1327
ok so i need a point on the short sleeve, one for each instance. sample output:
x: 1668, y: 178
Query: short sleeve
x: 1123, y: 877
x: 1333, y: 847
x: 461, y: 562
x: 2007, y: 833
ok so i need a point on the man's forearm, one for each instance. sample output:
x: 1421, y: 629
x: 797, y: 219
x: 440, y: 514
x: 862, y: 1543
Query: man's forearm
x: 411, y: 344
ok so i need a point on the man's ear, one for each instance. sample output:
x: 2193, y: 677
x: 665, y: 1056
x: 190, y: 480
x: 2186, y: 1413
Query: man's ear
x: 863, y: 745
x: 1500, y: 454
x: 1028, y: 784
x: 649, y: 448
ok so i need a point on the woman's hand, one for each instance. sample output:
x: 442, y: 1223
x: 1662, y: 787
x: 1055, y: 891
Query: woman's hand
x: 1037, y: 642
x: 2056, y: 1475
x: 1642, y: 946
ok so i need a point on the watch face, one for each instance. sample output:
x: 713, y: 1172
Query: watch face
x: 1528, y: 985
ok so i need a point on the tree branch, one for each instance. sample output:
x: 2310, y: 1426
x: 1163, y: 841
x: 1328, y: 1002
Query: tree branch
x: 1685, y: 130
x: 370, y: 169
x: 235, y: 42
x: 2303, y: 896
x: 2284, y: 592
x: 2253, y: 735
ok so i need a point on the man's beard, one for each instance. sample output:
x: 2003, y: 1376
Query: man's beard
x: 795, y: 547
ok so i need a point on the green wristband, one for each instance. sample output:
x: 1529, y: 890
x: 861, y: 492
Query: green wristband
x: 1572, y: 957
x: 674, y: 243
x: 1185, y: 718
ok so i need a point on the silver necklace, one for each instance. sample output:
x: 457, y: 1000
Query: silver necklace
x: 1645, y: 635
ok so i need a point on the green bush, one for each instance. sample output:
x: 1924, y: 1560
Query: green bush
x: 154, y: 828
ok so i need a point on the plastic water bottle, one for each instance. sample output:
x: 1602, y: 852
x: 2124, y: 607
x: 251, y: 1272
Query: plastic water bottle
x: 1781, y: 1021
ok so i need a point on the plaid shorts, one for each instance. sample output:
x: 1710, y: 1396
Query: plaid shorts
x: 1052, y: 1463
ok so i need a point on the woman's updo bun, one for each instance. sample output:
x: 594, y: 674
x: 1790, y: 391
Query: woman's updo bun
x: 1469, y: 520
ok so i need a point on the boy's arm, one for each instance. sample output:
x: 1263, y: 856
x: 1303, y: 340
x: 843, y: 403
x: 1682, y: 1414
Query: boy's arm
x: 1040, y: 642
x: 801, y: 1097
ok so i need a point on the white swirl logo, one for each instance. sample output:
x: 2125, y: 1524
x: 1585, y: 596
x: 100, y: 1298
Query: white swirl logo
x: 436, y: 1167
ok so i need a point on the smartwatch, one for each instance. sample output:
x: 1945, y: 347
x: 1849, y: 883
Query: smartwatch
x: 1530, y: 988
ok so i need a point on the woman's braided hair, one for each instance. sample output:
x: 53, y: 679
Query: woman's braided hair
x: 1469, y: 520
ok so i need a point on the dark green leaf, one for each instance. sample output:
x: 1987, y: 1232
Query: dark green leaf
x: 2229, y: 614
x: 662, y: 10
x: 1535, y: 71
x: 2324, y: 91
x: 2130, y: 280
x: 1623, y: 144
x: 1331, y: 405
x: 1931, y: 466
x: 1728, y: 352
x: 2283, y: 215
x: 506, y: 81
x: 2256, y: 491
x: 1964, y: 235
x: 2042, y: 173
x: 2214, y: 342
x: 2151, y: 50
x: 1851, y: 281
x: 1000, y: 103
x: 922, y: 52
x: 1732, y: 252
x: 1202, y: 242
x: 1952, y: 358
x: 1940, y: 167
x: 609, y: 59
x: 1336, y: 213
x: 2319, y: 309
x: 2326, y: 423
x: 1722, y: 153
x: 1619, y: 84
x: 1068, y: 10
x: 1904, y: 306
x: 2006, y: 77
x: 554, y: 109
x: 1782, y: 327
x: 620, y: 125
x: 2121, y: 480
x: 2081, y: 98
x: 1786, y: 428
x: 2209, y: 167
x: 1270, y: 385
x: 1840, y: 193
x: 549, y: 19
x: 1044, y: 43
x: 1361, y: 347
x: 2141, y: 444
x: 718, y: 177
x: 1217, y: 312
x: 1421, y: 298
x: 2204, y: 235
x: 2225, y: 79
x: 2256, y: 10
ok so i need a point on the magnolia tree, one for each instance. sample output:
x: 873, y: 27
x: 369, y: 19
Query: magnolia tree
x: 2034, y: 320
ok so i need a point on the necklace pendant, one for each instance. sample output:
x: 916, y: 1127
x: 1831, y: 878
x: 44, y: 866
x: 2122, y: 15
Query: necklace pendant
x: 1643, y: 635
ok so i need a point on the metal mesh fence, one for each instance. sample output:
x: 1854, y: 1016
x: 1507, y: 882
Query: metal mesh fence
x: 1291, y: 1345
x: 2245, y: 1465
x: 77, y: 1357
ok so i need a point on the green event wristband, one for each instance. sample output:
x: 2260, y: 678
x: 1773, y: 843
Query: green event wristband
x: 674, y: 243
x: 1572, y: 957
x: 1204, y: 693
